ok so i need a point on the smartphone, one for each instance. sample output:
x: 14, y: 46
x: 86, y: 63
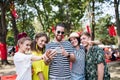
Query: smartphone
x: 58, y: 49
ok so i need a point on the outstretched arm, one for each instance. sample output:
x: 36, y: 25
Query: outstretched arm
x: 36, y: 58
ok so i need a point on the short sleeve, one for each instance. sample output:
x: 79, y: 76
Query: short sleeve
x: 28, y: 57
x: 22, y: 57
x: 28, y: 61
x: 99, y: 56
x: 70, y: 47
x: 38, y: 66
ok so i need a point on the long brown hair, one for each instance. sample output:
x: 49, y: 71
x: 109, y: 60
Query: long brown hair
x: 34, y: 43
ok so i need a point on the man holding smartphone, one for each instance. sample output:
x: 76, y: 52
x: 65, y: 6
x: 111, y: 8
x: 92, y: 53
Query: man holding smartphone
x: 59, y: 67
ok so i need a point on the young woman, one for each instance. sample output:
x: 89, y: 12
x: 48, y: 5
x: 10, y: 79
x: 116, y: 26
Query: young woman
x: 40, y: 69
x: 22, y: 61
x: 95, y: 65
x: 78, y: 66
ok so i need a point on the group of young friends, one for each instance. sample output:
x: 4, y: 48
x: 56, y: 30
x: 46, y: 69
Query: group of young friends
x: 51, y: 60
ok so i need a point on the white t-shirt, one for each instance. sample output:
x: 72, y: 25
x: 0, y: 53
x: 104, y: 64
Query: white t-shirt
x: 23, y: 66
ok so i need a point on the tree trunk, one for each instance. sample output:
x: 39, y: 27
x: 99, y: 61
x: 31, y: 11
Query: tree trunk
x: 116, y: 5
x: 93, y: 19
x: 68, y: 27
x: 3, y: 33
x: 14, y: 28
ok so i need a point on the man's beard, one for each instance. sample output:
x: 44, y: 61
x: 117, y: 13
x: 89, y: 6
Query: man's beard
x: 58, y: 39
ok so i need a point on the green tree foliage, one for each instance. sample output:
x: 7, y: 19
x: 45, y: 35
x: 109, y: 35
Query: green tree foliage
x: 117, y: 18
x: 51, y: 12
x: 22, y: 24
x: 94, y: 11
x: 101, y: 31
x: 10, y: 39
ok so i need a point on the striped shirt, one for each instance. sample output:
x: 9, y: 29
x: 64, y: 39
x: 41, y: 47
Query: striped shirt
x: 59, y: 66
x: 78, y: 66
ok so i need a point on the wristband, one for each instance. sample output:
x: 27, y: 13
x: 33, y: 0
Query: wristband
x: 42, y: 57
x: 68, y: 55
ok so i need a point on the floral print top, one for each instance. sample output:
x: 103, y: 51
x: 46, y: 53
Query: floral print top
x: 94, y: 56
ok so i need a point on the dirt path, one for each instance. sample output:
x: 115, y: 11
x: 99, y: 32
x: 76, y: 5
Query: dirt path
x: 114, y: 68
x: 7, y: 69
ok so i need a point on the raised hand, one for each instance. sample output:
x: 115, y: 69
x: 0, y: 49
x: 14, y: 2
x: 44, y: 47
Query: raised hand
x: 49, y: 55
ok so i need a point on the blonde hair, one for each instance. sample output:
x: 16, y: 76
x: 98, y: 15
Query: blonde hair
x: 22, y: 40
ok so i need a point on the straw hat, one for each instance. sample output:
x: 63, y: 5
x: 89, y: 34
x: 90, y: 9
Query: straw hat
x: 73, y: 34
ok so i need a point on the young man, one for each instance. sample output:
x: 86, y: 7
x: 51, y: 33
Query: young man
x: 59, y: 68
x: 95, y: 65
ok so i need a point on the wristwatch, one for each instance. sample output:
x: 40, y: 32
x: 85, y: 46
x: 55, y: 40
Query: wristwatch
x: 68, y: 55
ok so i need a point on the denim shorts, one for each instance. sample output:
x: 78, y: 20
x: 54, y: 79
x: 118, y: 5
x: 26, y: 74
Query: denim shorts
x: 75, y: 76
x: 59, y: 78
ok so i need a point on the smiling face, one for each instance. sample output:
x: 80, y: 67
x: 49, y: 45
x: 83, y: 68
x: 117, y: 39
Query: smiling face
x: 74, y: 41
x: 59, y: 33
x: 84, y: 40
x: 41, y: 41
x: 24, y: 45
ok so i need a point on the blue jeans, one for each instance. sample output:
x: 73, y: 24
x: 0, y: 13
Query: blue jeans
x: 59, y: 78
x: 75, y: 76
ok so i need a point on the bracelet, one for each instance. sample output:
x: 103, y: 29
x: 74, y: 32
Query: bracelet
x: 42, y: 58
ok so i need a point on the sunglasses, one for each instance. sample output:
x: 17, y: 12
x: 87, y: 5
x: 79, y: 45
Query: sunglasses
x: 58, y: 32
